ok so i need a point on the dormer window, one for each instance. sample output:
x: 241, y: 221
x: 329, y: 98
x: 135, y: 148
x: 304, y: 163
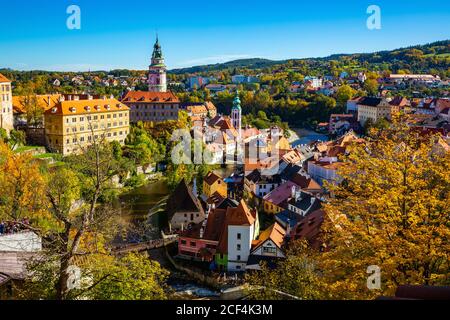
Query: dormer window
x: 87, y: 108
x: 54, y: 109
x: 73, y: 109
x: 119, y: 106
x: 108, y: 107
x: 97, y: 108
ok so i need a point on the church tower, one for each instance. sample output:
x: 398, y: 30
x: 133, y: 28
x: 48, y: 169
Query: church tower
x: 157, y: 79
x: 236, y: 115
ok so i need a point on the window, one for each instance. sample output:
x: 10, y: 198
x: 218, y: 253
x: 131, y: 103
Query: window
x: 239, y: 236
x: 238, y: 267
x: 238, y: 258
x: 269, y: 250
x: 183, y: 242
x: 193, y: 244
x: 238, y: 247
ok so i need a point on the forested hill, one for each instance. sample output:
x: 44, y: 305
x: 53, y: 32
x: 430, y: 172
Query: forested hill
x: 419, y: 58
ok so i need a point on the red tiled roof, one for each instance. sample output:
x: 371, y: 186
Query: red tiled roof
x: 4, y: 79
x: 276, y: 233
x: 240, y: 216
x: 150, y: 97
x: 73, y: 107
x: 309, y: 227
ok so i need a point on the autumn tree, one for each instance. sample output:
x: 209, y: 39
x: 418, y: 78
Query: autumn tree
x: 390, y: 210
x: 395, y: 197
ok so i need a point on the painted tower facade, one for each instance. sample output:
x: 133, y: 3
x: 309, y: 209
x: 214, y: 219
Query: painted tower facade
x: 236, y: 115
x: 157, y: 77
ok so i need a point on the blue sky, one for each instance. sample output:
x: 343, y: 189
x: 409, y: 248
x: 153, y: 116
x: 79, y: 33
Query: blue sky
x: 120, y: 34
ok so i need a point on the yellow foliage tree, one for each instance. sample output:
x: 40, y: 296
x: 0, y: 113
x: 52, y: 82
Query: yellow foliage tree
x: 395, y: 197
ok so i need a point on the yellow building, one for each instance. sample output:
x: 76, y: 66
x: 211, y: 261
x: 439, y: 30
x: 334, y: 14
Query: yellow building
x: 214, y: 183
x: 6, y: 109
x: 375, y: 109
x: 74, y: 124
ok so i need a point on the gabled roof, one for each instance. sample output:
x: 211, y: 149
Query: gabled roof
x: 240, y: 216
x: 280, y: 194
x: 4, y: 79
x: 182, y: 200
x: 150, y: 97
x: 306, y: 183
x: 254, y: 176
x: 45, y: 102
x: 275, y: 233
x: 309, y: 228
x: 304, y: 202
x: 212, y: 178
x: 290, y: 171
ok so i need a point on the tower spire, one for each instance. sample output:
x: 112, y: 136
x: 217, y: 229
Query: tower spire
x: 157, y: 79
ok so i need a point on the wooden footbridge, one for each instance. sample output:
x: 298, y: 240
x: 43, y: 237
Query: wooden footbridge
x: 145, y: 246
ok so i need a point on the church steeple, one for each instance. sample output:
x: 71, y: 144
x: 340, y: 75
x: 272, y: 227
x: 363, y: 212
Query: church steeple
x: 236, y: 114
x: 157, y: 78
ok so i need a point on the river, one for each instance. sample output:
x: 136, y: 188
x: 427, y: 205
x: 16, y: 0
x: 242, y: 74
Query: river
x: 301, y: 136
x: 137, y: 207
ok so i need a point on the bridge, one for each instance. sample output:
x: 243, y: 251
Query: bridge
x: 145, y: 246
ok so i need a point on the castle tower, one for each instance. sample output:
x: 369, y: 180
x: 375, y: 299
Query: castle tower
x: 157, y: 78
x: 236, y: 115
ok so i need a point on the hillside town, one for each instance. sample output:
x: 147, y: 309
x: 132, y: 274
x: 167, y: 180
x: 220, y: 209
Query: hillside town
x: 257, y: 193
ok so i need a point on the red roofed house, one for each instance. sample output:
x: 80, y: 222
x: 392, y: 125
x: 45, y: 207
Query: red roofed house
x: 268, y: 248
x: 151, y: 106
x: 225, y: 237
x: 276, y: 201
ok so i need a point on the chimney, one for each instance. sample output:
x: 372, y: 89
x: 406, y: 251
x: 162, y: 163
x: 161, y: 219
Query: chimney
x: 293, y: 191
x: 202, y: 232
x: 89, y: 97
x: 76, y: 98
x: 69, y: 98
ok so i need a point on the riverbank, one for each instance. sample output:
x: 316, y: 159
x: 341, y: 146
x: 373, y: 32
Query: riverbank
x: 302, y: 136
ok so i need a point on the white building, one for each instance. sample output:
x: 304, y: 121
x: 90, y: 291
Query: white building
x: 243, y: 228
x: 6, y: 108
x: 20, y: 242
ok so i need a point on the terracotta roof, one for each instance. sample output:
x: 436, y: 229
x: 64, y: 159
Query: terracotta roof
x: 305, y: 182
x: 150, y: 97
x: 73, y: 107
x: 309, y: 227
x: 276, y: 233
x: 4, y: 79
x: 215, y: 199
x: 211, y: 178
x: 210, y: 106
x: 240, y: 216
x: 45, y: 102
x: 213, y: 229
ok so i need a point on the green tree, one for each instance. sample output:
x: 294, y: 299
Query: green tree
x: 343, y: 94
